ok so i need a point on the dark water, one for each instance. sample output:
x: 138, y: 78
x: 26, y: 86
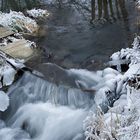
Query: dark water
x: 71, y: 40
x: 74, y: 42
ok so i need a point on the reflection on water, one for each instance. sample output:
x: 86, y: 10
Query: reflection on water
x: 72, y: 41
x: 79, y: 44
x: 18, y: 5
x: 109, y: 9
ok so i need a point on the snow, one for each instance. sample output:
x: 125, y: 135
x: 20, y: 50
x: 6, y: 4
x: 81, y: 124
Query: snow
x: 122, y: 121
x: 130, y: 55
x: 38, y: 13
x: 134, y: 69
x: 17, y: 21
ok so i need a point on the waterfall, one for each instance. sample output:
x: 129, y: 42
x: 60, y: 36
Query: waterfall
x: 45, y: 110
x: 31, y: 89
x: 41, y: 110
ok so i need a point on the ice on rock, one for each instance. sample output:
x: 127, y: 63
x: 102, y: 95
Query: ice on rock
x: 8, y: 74
x: 100, y: 96
x: 133, y: 70
x: 111, y: 84
x: 110, y: 71
x: 8, y: 69
x: 4, y: 101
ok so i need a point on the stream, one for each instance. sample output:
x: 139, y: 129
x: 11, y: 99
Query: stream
x: 54, y: 107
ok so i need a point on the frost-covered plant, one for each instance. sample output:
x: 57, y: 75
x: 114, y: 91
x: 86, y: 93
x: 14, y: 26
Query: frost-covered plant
x: 96, y: 126
x: 116, y: 124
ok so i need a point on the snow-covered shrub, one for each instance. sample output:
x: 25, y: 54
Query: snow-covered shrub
x: 101, y: 126
x: 18, y: 22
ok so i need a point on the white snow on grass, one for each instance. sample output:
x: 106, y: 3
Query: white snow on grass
x: 38, y: 13
x: 17, y: 21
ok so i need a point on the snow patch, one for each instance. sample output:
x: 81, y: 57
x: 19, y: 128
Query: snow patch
x: 38, y: 13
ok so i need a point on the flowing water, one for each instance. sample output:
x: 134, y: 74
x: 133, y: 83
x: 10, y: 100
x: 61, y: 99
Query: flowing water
x: 54, y: 108
x: 42, y: 110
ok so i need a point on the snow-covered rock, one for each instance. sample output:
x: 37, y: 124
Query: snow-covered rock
x: 122, y: 121
x: 15, y: 38
x: 130, y: 55
x: 38, y: 13
x: 17, y: 21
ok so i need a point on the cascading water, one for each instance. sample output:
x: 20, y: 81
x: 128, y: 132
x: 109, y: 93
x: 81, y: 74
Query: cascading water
x: 42, y: 110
